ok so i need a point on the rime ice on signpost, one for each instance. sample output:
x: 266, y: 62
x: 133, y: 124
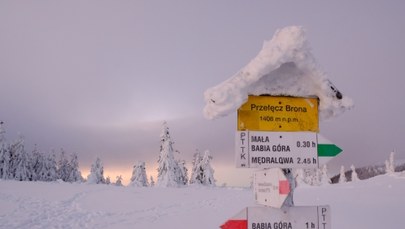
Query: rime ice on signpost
x: 279, y: 132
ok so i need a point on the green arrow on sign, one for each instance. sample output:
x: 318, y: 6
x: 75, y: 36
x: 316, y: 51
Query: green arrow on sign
x: 326, y: 150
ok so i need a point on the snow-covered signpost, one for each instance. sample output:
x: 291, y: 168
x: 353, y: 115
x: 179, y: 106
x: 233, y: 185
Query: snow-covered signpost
x: 281, y: 133
x: 280, y: 97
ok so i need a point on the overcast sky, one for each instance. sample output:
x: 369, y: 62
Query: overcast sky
x: 99, y: 77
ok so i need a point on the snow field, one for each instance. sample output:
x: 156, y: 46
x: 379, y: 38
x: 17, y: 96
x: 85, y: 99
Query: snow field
x: 369, y: 204
x: 64, y: 205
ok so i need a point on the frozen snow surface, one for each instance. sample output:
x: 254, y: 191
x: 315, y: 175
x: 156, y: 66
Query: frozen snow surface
x: 371, y: 204
x: 284, y: 66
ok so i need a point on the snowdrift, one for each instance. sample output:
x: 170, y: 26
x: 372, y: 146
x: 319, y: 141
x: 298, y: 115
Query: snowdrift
x: 284, y: 66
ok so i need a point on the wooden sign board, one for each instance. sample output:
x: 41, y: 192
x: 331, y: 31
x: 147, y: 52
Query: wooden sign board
x: 278, y: 113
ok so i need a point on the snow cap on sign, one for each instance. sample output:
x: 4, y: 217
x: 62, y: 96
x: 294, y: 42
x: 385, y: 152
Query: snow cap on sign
x: 285, y: 66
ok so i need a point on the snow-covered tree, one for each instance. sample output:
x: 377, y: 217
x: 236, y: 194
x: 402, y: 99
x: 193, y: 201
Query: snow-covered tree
x: 107, y: 180
x: 20, y: 162
x: 390, y: 164
x: 96, y: 175
x: 37, y: 163
x: 118, y: 182
x: 139, y: 178
x: 208, y: 171
x: 22, y: 168
x: 324, y: 176
x: 15, y: 150
x: 2, y: 133
x: 51, y: 173
x: 5, y: 157
x: 5, y: 169
x: 40, y: 167
x: 342, y: 176
x: 182, y: 172
x: 355, y: 177
x: 63, y: 167
x: 312, y: 176
x: 68, y: 170
x: 3, y: 152
x: 4, y: 162
x: 74, y: 174
x: 167, y: 176
x: 202, y: 172
x: 152, y: 181
x: 317, y: 179
x: 196, y: 173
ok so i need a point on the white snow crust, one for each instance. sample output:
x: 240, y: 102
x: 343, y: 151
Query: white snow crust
x: 284, y: 66
x: 370, y: 204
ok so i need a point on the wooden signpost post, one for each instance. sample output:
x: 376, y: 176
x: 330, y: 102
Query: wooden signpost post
x: 275, y: 133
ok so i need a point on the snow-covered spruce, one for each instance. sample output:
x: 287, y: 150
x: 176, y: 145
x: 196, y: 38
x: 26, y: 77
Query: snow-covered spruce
x: 118, y: 182
x: 202, y: 173
x: 63, y: 167
x: 182, y: 172
x: 208, y: 174
x: 139, y: 178
x: 355, y: 177
x: 20, y: 164
x: 68, y: 170
x: 16, y: 163
x: 325, y: 180
x: 390, y: 164
x: 195, y: 177
x: 342, y: 176
x: 96, y: 175
x: 152, y: 182
x: 74, y: 173
x: 284, y: 66
x: 168, y: 170
x: 312, y: 176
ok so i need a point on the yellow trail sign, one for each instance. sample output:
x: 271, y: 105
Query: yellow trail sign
x: 278, y: 113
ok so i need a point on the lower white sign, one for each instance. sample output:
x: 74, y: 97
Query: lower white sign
x: 271, y: 187
x: 261, y: 149
x: 299, y: 217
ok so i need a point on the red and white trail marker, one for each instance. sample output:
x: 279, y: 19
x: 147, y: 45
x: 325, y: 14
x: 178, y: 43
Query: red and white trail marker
x: 302, y: 217
x: 271, y: 187
x: 239, y: 221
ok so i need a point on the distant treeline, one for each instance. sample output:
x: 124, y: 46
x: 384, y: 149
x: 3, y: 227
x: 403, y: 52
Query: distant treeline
x: 18, y: 164
x: 367, y: 172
